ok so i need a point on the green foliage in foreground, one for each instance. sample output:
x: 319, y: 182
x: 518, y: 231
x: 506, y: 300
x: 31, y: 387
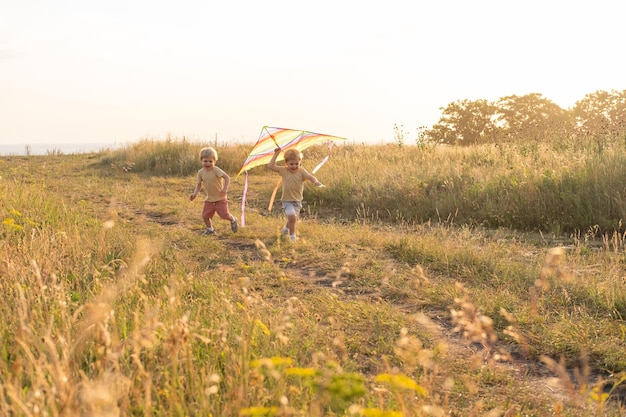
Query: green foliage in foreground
x: 115, y: 305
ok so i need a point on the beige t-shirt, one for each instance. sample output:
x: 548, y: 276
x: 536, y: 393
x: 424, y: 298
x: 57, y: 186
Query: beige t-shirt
x: 293, y: 183
x: 213, y: 183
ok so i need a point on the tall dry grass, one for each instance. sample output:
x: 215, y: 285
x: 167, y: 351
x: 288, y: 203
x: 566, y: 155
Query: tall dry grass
x: 173, y: 156
x: 114, y: 305
x: 559, y: 187
x: 552, y: 187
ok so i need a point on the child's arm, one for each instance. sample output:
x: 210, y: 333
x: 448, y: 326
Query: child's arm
x: 314, y: 180
x: 272, y: 164
x: 225, y: 184
x: 196, y: 191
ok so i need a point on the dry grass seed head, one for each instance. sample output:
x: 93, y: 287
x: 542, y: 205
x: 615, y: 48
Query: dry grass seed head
x: 471, y: 323
x: 411, y: 350
x: 179, y: 334
x: 146, y: 335
x: 267, y: 255
x: 553, y: 270
x: 102, y: 396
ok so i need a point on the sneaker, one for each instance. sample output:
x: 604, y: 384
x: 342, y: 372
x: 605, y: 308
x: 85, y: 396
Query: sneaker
x: 234, y: 226
x: 292, y: 238
x: 285, y: 231
x: 209, y: 231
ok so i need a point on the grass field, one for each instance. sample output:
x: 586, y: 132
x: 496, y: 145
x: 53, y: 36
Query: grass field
x: 426, y: 281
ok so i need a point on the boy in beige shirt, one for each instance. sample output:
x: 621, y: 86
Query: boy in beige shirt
x: 215, y: 182
x: 293, y: 176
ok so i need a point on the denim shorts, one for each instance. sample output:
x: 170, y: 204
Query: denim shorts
x: 292, y: 208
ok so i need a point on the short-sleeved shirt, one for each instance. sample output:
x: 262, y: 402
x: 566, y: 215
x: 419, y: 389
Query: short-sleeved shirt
x: 293, y: 183
x: 213, y: 183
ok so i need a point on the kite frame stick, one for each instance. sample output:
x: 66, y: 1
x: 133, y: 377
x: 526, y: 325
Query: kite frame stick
x: 271, y: 136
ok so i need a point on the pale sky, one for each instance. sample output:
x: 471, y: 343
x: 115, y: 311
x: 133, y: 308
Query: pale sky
x: 74, y: 71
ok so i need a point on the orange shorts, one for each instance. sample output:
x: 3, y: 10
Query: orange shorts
x: 219, y: 207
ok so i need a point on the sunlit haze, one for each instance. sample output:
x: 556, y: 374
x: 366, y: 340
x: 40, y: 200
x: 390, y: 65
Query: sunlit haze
x: 118, y: 71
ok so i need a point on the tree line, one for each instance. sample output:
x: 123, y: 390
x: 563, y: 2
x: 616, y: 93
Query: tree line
x: 531, y: 116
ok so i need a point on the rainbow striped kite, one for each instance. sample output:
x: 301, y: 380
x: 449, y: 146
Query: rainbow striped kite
x: 278, y: 137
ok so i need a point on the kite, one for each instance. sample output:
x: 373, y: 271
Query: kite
x: 271, y: 138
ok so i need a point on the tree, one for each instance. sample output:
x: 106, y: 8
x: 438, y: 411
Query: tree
x: 464, y: 122
x: 601, y: 114
x: 531, y: 117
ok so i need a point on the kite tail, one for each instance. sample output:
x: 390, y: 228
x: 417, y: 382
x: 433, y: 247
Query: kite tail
x: 243, y: 201
x: 330, y: 147
x: 320, y: 164
x: 269, y: 207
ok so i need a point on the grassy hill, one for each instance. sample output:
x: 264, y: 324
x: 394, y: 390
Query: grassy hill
x: 426, y: 281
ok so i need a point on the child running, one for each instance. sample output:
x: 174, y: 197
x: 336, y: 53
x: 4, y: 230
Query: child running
x: 293, y: 176
x: 216, y: 184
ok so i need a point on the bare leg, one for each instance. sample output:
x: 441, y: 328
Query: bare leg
x: 291, y: 224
